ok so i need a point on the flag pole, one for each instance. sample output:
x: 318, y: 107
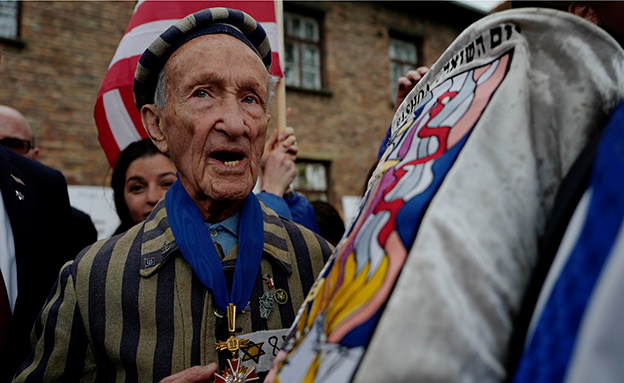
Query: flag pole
x: 280, y: 92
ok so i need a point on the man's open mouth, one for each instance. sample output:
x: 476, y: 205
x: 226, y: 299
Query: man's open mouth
x: 230, y: 159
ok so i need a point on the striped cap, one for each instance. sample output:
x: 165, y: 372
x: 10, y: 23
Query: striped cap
x: 207, y: 21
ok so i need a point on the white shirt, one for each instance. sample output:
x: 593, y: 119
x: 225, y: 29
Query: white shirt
x: 7, y: 255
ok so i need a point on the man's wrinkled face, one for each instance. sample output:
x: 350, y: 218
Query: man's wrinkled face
x: 215, y: 118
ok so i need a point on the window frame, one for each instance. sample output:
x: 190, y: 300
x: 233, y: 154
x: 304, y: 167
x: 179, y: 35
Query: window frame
x: 312, y: 194
x: 416, y: 41
x: 318, y: 18
x: 18, y: 23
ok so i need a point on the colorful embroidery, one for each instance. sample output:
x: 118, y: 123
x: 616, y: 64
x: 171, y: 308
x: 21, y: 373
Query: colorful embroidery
x: 343, y: 307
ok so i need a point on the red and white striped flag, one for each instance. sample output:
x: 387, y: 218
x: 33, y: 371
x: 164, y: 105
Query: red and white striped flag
x: 117, y: 119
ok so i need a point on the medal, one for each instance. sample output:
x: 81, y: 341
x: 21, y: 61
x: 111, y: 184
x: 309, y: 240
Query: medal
x: 268, y: 280
x: 266, y: 304
x: 233, y: 343
x: 281, y: 296
x: 236, y: 372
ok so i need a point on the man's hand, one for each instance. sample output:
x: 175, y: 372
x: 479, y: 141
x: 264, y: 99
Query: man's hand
x: 275, y: 139
x: 407, y: 83
x: 194, y: 374
x: 286, y: 139
x: 278, y: 163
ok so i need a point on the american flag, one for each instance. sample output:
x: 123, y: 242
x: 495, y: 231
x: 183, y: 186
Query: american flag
x: 117, y: 119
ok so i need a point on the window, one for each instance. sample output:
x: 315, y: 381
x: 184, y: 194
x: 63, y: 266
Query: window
x: 403, y: 57
x: 302, y: 51
x: 9, y: 19
x: 312, y: 179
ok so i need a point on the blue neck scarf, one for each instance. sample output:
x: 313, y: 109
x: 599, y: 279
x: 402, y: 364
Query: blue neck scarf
x: 193, y: 239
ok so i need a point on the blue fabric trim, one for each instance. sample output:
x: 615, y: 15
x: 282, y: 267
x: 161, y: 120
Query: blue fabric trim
x: 193, y: 239
x: 384, y: 143
x: 549, y: 351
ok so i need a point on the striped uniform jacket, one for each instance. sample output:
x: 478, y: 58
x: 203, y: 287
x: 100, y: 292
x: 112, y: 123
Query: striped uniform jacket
x: 130, y: 308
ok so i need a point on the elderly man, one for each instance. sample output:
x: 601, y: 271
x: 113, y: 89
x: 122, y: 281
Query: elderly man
x: 161, y: 299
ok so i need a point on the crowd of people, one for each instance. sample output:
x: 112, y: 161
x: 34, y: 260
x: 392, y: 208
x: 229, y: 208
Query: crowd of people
x: 487, y: 247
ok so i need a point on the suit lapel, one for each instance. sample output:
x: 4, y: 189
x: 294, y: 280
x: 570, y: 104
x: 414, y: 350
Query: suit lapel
x: 18, y: 201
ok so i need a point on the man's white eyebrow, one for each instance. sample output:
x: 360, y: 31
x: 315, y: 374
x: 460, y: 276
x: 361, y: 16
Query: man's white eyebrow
x: 210, y: 78
x: 249, y: 83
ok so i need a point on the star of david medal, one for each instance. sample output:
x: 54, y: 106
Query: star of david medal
x: 235, y: 372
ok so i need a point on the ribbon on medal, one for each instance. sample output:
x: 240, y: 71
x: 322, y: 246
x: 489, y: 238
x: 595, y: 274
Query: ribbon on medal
x: 193, y: 239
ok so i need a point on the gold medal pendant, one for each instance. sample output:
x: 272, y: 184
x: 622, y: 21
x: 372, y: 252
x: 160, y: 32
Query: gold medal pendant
x: 236, y: 372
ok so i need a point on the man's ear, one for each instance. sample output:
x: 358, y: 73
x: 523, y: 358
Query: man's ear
x: 585, y: 10
x: 35, y: 153
x: 150, y: 116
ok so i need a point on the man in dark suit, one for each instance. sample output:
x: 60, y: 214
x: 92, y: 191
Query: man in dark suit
x: 17, y: 134
x: 36, y: 215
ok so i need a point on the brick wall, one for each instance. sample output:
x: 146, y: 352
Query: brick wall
x: 54, y: 79
x: 348, y: 125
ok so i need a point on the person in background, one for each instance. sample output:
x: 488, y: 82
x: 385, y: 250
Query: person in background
x: 17, y: 135
x: 404, y: 85
x: 278, y: 172
x: 329, y: 221
x: 35, y: 215
x: 140, y: 179
x: 211, y: 265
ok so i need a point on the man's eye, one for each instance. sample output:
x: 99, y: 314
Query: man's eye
x: 249, y: 100
x: 201, y: 94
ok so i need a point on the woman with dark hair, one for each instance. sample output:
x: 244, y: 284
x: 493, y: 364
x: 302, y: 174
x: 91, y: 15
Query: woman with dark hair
x: 329, y: 221
x: 140, y: 179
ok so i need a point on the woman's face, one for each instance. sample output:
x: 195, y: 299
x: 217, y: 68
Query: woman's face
x: 147, y: 180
